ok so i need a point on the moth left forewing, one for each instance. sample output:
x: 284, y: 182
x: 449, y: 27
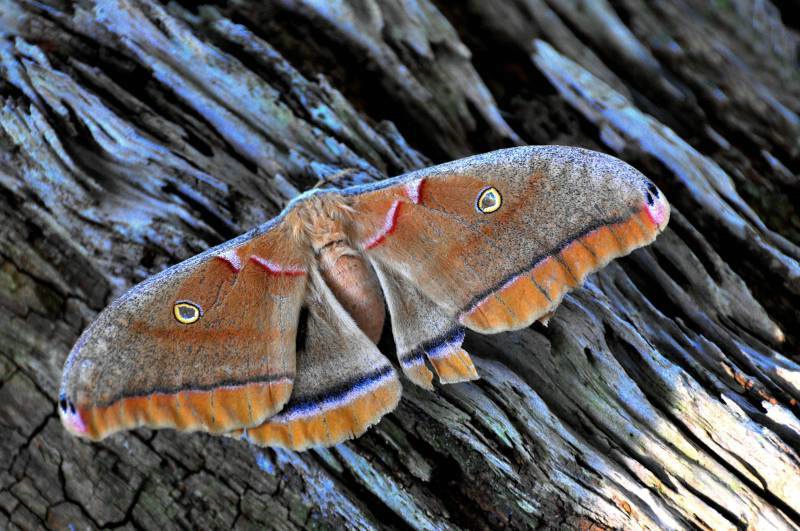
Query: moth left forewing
x: 206, y: 345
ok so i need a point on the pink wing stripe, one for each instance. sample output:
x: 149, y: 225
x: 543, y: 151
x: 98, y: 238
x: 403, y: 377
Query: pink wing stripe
x: 232, y: 259
x: 277, y: 269
x: 389, y: 224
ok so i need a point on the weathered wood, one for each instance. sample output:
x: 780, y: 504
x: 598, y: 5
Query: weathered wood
x: 664, y: 394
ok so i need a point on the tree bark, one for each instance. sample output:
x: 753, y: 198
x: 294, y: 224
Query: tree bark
x: 663, y: 394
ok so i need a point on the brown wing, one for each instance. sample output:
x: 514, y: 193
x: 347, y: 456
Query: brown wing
x: 414, y: 315
x: 344, y: 384
x: 495, y: 241
x: 206, y: 345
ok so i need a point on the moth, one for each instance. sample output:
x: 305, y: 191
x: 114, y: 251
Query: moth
x: 271, y: 337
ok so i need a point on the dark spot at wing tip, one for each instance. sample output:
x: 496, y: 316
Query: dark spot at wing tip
x: 66, y: 404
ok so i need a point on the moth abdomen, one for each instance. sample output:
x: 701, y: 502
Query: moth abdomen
x: 353, y: 282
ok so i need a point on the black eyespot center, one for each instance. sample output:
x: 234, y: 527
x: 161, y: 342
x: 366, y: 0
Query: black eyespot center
x: 652, y: 188
x: 649, y: 198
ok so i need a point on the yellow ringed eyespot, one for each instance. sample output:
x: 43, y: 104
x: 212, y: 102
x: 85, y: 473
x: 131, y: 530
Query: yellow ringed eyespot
x: 187, y: 312
x: 489, y: 200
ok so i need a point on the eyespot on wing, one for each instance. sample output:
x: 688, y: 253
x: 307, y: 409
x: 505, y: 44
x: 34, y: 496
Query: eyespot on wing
x: 489, y: 200
x: 187, y: 312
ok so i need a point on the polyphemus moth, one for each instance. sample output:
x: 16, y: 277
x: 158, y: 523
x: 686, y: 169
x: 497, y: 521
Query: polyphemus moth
x: 271, y: 337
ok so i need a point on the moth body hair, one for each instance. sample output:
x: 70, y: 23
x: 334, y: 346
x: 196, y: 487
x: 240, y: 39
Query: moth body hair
x: 322, y: 218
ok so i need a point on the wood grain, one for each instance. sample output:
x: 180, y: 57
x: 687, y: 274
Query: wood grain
x: 662, y: 395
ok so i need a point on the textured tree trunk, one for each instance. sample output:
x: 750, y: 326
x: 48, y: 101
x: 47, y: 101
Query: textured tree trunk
x: 663, y: 394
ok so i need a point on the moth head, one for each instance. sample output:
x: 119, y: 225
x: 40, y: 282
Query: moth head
x: 488, y: 200
x: 187, y: 312
x: 320, y: 219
